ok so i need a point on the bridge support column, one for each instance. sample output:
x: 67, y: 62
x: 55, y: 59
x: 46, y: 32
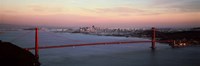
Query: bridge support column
x: 153, y: 45
x: 36, y: 43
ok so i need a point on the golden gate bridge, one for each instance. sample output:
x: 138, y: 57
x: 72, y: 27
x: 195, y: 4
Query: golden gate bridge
x: 37, y: 47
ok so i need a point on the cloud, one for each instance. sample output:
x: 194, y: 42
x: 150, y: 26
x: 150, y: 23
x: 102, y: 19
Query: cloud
x: 178, y: 5
x: 119, y: 10
x: 39, y: 8
x: 8, y: 11
x: 123, y: 11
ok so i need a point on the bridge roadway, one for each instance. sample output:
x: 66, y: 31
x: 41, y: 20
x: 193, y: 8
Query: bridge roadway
x: 90, y: 44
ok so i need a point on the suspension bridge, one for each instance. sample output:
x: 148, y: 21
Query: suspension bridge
x: 37, y: 47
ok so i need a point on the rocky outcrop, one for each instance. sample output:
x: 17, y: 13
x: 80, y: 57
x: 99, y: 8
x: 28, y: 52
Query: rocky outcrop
x: 12, y: 55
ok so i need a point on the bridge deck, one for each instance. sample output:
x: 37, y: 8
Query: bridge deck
x: 90, y: 44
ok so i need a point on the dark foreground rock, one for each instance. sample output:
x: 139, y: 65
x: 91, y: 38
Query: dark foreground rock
x: 12, y: 55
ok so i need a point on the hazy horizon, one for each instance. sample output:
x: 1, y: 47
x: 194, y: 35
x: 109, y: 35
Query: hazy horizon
x: 101, y: 13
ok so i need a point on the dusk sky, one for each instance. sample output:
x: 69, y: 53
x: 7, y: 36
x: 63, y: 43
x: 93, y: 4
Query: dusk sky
x: 102, y: 13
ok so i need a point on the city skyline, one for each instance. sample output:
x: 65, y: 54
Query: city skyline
x: 104, y: 13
